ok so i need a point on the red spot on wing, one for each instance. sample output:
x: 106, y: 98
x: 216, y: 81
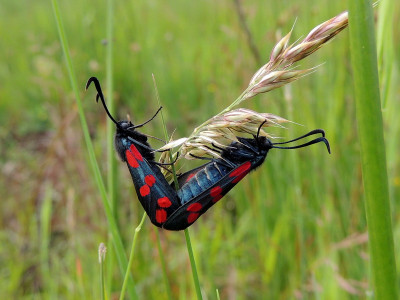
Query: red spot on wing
x: 192, y: 217
x: 240, y: 177
x: 144, y: 190
x: 164, y: 202
x: 131, y: 159
x: 240, y: 172
x: 136, y: 153
x: 241, y: 169
x: 215, y: 193
x: 194, y: 207
x: 190, y: 177
x: 150, y: 180
x: 161, y: 215
x: 216, y: 198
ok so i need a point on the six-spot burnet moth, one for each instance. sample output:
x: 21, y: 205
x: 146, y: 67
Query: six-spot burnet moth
x: 200, y: 188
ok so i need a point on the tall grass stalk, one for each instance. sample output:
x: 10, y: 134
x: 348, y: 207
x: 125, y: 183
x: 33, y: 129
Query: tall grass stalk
x: 45, y: 232
x: 193, y: 264
x: 388, y: 73
x: 102, y: 256
x: 103, y: 287
x: 385, y: 47
x: 117, y: 241
x: 187, y: 235
x: 111, y: 161
x: 112, y: 171
x: 373, y: 158
x: 295, y: 196
x: 128, y: 269
x: 160, y: 252
x: 163, y: 266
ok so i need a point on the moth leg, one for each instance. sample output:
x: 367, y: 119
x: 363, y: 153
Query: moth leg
x: 165, y: 164
x: 219, y: 148
x: 249, y: 146
x: 140, y: 144
x: 201, y: 157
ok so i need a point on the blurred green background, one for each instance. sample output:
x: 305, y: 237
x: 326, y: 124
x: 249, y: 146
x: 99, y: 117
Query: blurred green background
x: 293, y: 229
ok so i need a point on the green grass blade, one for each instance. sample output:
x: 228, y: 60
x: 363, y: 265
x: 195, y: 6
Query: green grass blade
x: 45, y: 235
x: 112, y: 170
x: 102, y: 256
x: 187, y: 235
x: 111, y: 161
x: 128, y: 269
x: 373, y: 158
x: 163, y: 266
x: 117, y: 241
x: 193, y: 265
x: 385, y: 48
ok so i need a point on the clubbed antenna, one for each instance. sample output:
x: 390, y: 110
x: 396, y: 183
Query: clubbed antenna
x: 100, y: 95
x: 314, y: 141
x: 140, y: 125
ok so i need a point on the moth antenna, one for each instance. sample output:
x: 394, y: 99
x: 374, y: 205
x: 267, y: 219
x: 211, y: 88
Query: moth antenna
x: 259, y: 128
x: 314, y: 141
x: 140, y: 125
x: 312, y: 132
x: 100, y: 95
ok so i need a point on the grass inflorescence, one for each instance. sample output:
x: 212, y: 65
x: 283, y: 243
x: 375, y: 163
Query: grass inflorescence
x: 294, y: 228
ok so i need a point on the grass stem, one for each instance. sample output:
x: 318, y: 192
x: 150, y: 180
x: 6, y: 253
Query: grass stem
x: 128, y: 269
x: 163, y: 266
x: 187, y: 235
x: 111, y: 161
x: 193, y: 265
x: 117, y: 241
x: 102, y: 256
x: 373, y: 157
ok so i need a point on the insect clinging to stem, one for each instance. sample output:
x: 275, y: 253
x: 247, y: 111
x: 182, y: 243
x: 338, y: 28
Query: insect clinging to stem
x: 199, y: 188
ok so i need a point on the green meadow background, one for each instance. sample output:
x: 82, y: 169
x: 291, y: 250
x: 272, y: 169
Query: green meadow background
x: 293, y: 229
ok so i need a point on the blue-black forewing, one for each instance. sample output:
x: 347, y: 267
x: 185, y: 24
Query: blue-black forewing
x: 189, y: 212
x: 157, y: 197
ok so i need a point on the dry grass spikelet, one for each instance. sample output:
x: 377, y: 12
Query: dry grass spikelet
x: 220, y: 130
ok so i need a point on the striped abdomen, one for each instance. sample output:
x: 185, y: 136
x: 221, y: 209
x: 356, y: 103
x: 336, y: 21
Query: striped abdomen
x: 201, y: 179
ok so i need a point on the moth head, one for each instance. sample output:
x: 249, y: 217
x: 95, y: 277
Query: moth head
x: 122, y: 126
x: 125, y: 126
x: 264, y: 143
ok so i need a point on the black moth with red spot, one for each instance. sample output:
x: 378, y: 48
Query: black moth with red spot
x: 199, y: 188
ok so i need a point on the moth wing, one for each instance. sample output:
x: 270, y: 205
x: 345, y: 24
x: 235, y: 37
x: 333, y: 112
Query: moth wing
x: 157, y: 197
x: 188, y: 213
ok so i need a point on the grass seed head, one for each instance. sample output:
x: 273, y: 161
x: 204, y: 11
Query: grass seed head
x: 277, y: 72
x: 102, y: 252
x: 223, y: 129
